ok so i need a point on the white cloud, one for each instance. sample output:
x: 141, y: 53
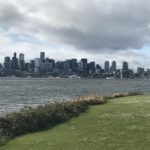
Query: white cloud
x: 96, y: 29
x: 88, y: 25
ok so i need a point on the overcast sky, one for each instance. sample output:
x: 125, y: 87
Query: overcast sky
x: 97, y: 29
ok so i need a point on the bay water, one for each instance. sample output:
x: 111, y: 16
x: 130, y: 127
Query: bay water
x: 16, y: 93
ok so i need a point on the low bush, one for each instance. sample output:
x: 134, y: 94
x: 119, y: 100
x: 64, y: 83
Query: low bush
x: 118, y: 95
x: 34, y: 119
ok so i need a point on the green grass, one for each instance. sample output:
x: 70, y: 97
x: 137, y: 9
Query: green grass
x: 121, y: 124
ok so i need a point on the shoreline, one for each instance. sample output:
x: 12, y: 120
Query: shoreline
x: 35, y: 119
x: 89, y: 78
x: 122, y: 123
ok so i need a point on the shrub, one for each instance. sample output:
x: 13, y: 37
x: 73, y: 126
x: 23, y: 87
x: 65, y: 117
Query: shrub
x: 34, y: 119
x: 118, y: 95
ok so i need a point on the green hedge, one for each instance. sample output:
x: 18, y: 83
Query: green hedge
x: 34, y: 119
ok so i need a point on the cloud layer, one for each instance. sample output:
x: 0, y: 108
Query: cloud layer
x: 86, y: 25
x: 83, y: 27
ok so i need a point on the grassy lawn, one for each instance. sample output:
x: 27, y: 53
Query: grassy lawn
x: 121, y: 124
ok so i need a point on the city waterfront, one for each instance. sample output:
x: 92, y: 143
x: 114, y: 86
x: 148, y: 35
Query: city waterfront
x: 15, y: 93
x: 46, y: 67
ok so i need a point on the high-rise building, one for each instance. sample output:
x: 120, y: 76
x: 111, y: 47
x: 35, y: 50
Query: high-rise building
x: 113, y: 67
x: 32, y: 65
x: 148, y: 73
x: 125, y: 65
x: 140, y: 72
x: 27, y: 66
x: 42, y: 56
x: 98, y: 69
x: 106, y: 66
x: 84, y: 60
x: 7, y: 64
x: 15, y: 55
x: 74, y: 65
x: 125, y: 73
x: 14, y: 62
x: 1, y: 67
x: 80, y: 66
x: 67, y: 65
x: 21, y: 61
x: 48, y: 65
x: 21, y: 56
x: 59, y: 66
x: 53, y: 63
x: 91, y: 67
x: 37, y: 63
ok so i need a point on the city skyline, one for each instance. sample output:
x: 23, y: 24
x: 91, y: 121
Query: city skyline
x: 48, y: 67
x: 61, y: 28
x: 107, y: 64
x: 119, y: 63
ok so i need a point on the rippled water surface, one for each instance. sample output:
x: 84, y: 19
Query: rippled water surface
x: 17, y: 93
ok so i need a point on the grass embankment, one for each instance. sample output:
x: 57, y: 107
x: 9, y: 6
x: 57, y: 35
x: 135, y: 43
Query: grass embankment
x: 121, y: 124
x: 30, y: 120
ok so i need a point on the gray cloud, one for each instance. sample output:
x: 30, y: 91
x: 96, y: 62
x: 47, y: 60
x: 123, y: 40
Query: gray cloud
x: 10, y: 15
x: 92, y: 26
